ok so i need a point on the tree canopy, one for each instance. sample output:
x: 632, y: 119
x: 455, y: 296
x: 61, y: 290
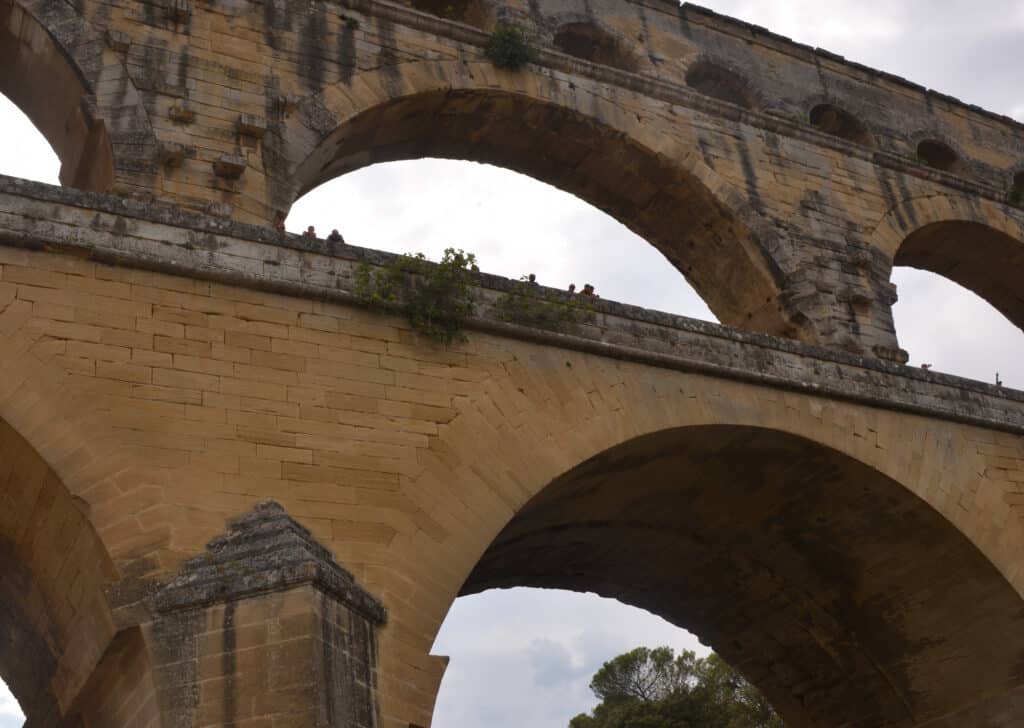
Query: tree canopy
x: 655, y: 688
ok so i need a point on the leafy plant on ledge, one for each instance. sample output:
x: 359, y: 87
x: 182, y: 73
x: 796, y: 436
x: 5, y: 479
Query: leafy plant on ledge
x: 436, y: 298
x: 525, y: 305
x: 508, y: 48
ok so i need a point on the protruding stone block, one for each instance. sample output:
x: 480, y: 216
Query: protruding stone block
x: 172, y: 154
x: 898, y: 356
x: 118, y: 40
x: 288, y: 103
x: 266, y: 626
x: 229, y: 166
x: 181, y: 114
x: 252, y: 125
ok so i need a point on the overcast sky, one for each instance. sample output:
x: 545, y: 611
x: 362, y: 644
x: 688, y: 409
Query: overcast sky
x: 525, y: 657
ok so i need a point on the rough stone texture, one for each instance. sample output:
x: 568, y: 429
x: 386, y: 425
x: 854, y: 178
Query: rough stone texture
x: 264, y: 626
x: 265, y: 550
x: 781, y: 180
x: 851, y: 528
x: 43, y: 217
x: 848, y: 531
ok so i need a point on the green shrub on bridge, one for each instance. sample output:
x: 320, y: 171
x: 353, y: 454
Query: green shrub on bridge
x: 436, y: 298
x: 508, y: 47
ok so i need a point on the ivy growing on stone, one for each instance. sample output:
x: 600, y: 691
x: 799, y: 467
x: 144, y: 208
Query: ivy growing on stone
x: 508, y: 47
x: 436, y: 298
x: 525, y: 305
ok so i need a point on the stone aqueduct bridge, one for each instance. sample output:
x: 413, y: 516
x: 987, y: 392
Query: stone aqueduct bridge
x: 844, y: 530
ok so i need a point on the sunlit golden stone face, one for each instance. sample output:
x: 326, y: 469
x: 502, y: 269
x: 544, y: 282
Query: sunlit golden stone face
x: 846, y: 532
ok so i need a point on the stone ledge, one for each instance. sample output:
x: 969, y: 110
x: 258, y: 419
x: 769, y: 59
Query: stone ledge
x: 265, y: 550
x: 165, y: 239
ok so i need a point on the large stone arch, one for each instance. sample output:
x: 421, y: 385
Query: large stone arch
x: 58, y: 69
x: 845, y: 598
x: 531, y: 427
x: 568, y: 133
x: 55, y: 624
x: 976, y: 243
x: 49, y: 87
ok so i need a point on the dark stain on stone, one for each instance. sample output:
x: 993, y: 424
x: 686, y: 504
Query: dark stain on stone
x: 29, y: 663
x: 705, y: 151
x: 183, y: 63
x: 387, y: 58
x: 312, y: 45
x: 889, y: 195
x: 347, y: 53
x: 270, y: 23
x: 228, y: 666
x: 149, y: 13
x: 175, y: 646
x: 328, y: 640
x: 906, y: 196
x: 684, y: 23
x: 272, y: 150
x: 749, y: 174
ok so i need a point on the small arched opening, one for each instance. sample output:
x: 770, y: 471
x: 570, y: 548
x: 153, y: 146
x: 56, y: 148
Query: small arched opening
x: 834, y: 589
x: 939, y: 155
x: 593, y: 43
x: 961, y: 310
x: 841, y: 123
x: 978, y: 257
x: 719, y: 82
x: 37, y: 77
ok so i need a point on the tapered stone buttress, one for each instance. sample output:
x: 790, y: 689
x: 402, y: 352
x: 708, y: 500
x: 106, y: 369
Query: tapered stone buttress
x: 264, y: 629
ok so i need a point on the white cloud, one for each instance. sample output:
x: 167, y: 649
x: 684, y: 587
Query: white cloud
x: 10, y: 712
x: 526, y: 656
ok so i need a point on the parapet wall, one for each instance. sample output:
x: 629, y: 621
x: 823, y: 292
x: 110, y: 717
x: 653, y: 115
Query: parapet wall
x: 154, y: 237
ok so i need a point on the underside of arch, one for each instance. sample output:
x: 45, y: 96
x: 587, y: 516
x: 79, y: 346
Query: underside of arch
x: 37, y: 76
x: 54, y: 620
x: 980, y: 258
x: 844, y: 597
x: 721, y: 256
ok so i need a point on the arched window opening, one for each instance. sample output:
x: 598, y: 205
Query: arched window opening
x: 37, y: 77
x: 985, y: 261
x: 840, y: 123
x: 430, y: 204
x: 720, y: 83
x: 947, y: 328
x: 940, y: 155
x: 26, y: 154
x: 593, y: 43
x: 470, y: 12
x: 1016, y: 195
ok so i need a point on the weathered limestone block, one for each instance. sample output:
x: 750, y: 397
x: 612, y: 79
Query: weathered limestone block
x: 266, y: 626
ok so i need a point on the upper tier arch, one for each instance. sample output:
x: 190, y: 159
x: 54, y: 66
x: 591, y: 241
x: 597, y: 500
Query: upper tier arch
x: 38, y: 76
x: 569, y: 136
x: 979, y: 245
